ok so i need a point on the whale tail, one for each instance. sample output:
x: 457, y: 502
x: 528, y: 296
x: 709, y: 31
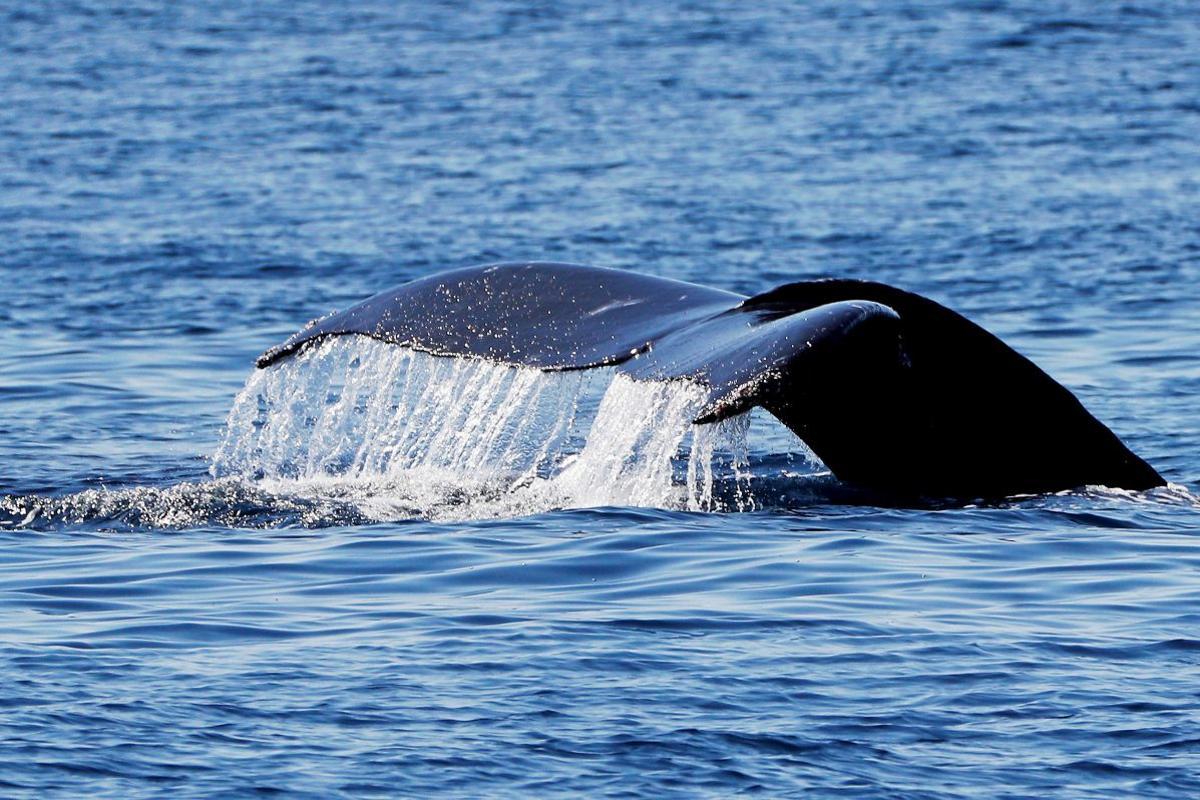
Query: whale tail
x: 892, y: 391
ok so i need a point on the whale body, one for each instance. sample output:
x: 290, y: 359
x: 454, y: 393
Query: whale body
x: 893, y: 392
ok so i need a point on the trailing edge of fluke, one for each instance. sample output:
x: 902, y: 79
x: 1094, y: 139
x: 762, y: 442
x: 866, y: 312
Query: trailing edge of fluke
x: 894, y: 392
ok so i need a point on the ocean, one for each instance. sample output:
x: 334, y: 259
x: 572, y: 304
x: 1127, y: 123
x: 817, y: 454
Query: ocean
x: 223, y: 582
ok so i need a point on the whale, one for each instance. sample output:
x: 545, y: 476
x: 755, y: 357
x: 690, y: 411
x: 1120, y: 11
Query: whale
x: 894, y: 392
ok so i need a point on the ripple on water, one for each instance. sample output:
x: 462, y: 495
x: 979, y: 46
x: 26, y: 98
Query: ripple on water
x: 184, y: 185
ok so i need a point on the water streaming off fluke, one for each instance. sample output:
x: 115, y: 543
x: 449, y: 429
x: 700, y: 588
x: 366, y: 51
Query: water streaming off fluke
x: 409, y: 434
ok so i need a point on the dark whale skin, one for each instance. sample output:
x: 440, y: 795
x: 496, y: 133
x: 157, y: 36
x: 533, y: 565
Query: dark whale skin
x: 894, y: 392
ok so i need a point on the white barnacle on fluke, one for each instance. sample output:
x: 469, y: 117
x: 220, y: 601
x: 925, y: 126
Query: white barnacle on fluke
x: 894, y: 392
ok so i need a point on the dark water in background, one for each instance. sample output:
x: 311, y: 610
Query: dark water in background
x: 183, y: 187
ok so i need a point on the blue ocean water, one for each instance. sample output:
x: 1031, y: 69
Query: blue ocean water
x: 185, y: 184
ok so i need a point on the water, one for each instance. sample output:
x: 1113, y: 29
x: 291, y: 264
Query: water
x: 528, y: 607
x: 456, y: 438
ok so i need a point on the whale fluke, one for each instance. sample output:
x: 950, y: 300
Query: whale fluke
x: 892, y: 391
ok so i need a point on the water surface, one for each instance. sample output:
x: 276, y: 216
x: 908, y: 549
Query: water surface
x: 184, y: 187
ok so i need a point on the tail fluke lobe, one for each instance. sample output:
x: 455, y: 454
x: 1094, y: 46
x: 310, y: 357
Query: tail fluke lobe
x: 538, y: 314
x: 965, y: 416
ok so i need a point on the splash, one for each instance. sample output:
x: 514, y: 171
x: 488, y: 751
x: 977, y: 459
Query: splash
x: 410, y: 434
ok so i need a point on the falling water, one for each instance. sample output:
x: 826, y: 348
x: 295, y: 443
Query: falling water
x: 409, y: 434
